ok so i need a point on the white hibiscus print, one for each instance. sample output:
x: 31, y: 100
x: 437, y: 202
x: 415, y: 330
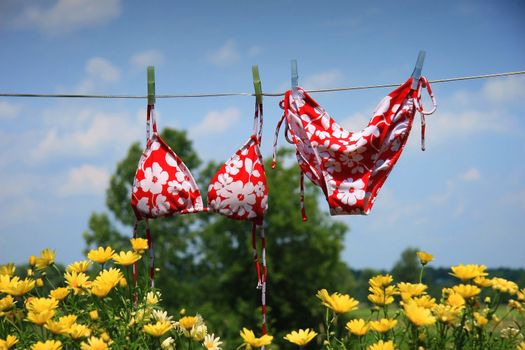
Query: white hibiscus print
x: 161, y: 207
x: 350, y: 191
x: 249, y: 166
x: 371, y: 130
x: 333, y: 165
x: 143, y: 206
x: 171, y: 160
x: 259, y: 189
x: 264, y: 203
x: 339, y: 132
x: 184, y: 181
x: 174, y: 187
x: 155, y: 145
x: 241, y: 198
x: 154, y: 178
x: 233, y: 166
x: 222, y: 183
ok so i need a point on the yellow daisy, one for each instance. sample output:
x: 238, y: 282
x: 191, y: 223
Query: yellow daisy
x: 383, y: 325
x: 158, y: 329
x: 418, y: 315
x: 46, y: 258
x: 252, y: 341
x: 139, y: 244
x: 8, y: 342
x: 94, y: 343
x: 302, y: 337
x: 340, y: 303
x: 101, y: 255
x: 358, y: 327
x: 47, y: 345
x: 59, y: 293
x: 126, y: 258
x: 466, y: 290
x: 424, y: 257
x: 382, y: 345
x: 79, y: 266
x: 504, y: 286
x: 468, y: 272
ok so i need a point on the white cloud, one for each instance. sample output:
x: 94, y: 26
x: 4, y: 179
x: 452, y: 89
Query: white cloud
x: 88, y: 137
x: 470, y: 175
x: 8, y: 110
x: 68, y: 15
x: 147, y: 58
x: 323, y: 80
x: 216, y: 121
x: 99, y: 72
x: 225, y: 55
x: 85, y: 180
x: 255, y: 51
x: 505, y: 89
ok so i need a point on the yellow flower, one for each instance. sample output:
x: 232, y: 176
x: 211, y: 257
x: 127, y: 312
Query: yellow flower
x: 139, y: 244
x: 79, y: 266
x: 381, y: 345
x: 93, y: 314
x: 77, y: 331
x: 105, y: 282
x: 251, y: 341
x: 468, y: 272
x: 446, y: 313
x: 15, y: 286
x: 56, y: 327
x: 340, y: 303
x: 521, y: 346
x: 46, y: 258
x: 59, y: 293
x: 482, y: 281
x: 38, y: 305
x: 47, y: 345
x: 358, y: 327
x: 126, y: 258
x: 418, y: 315
x: 301, y: 338
x: 521, y: 294
x: 8, y: 342
x: 187, y: 323
x: 466, y: 290
x: 94, y: 343
x: 198, y: 332
x: 383, y: 325
x: 504, y: 286
x: 6, y: 303
x: 68, y: 320
x: 39, y: 282
x: 410, y: 290
x: 123, y: 283
x: 212, y: 343
x: 516, y: 305
x: 41, y: 317
x: 78, y: 281
x: 152, y: 298
x: 425, y: 301
x: 382, y: 295
x: 424, y: 257
x: 32, y: 260
x: 480, y: 319
x: 380, y: 281
x: 7, y: 269
x: 158, y: 329
x: 456, y: 300
x: 101, y: 255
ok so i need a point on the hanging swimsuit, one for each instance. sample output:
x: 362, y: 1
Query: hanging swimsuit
x: 163, y: 186
x: 350, y: 167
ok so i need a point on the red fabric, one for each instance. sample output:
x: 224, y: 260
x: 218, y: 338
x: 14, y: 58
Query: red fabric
x: 164, y: 186
x: 350, y: 167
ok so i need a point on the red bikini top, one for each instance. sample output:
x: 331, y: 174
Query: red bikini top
x: 164, y: 186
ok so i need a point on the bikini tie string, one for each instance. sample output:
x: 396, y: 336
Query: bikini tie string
x: 423, y: 83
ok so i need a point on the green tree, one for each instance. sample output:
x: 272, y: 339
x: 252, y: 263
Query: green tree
x: 407, y: 268
x: 206, y: 261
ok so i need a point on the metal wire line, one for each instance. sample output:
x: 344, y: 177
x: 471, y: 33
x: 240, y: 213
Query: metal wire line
x: 270, y: 94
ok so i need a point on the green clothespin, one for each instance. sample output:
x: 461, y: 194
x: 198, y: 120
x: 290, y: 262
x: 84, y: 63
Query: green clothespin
x: 257, y: 84
x: 151, y: 85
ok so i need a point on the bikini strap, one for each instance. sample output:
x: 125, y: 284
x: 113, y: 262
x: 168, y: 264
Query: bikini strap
x: 303, y: 210
x: 150, y: 118
x: 264, y: 273
x: 258, y: 121
x: 423, y: 83
x: 255, y: 256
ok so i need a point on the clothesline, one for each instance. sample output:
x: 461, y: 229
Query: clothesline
x: 270, y: 94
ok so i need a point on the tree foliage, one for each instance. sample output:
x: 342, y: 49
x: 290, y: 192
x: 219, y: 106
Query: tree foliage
x: 205, y: 260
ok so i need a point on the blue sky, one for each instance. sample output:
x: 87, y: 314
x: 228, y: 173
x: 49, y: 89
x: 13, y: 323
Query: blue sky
x: 462, y: 200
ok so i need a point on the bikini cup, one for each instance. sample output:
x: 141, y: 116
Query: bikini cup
x: 164, y: 186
